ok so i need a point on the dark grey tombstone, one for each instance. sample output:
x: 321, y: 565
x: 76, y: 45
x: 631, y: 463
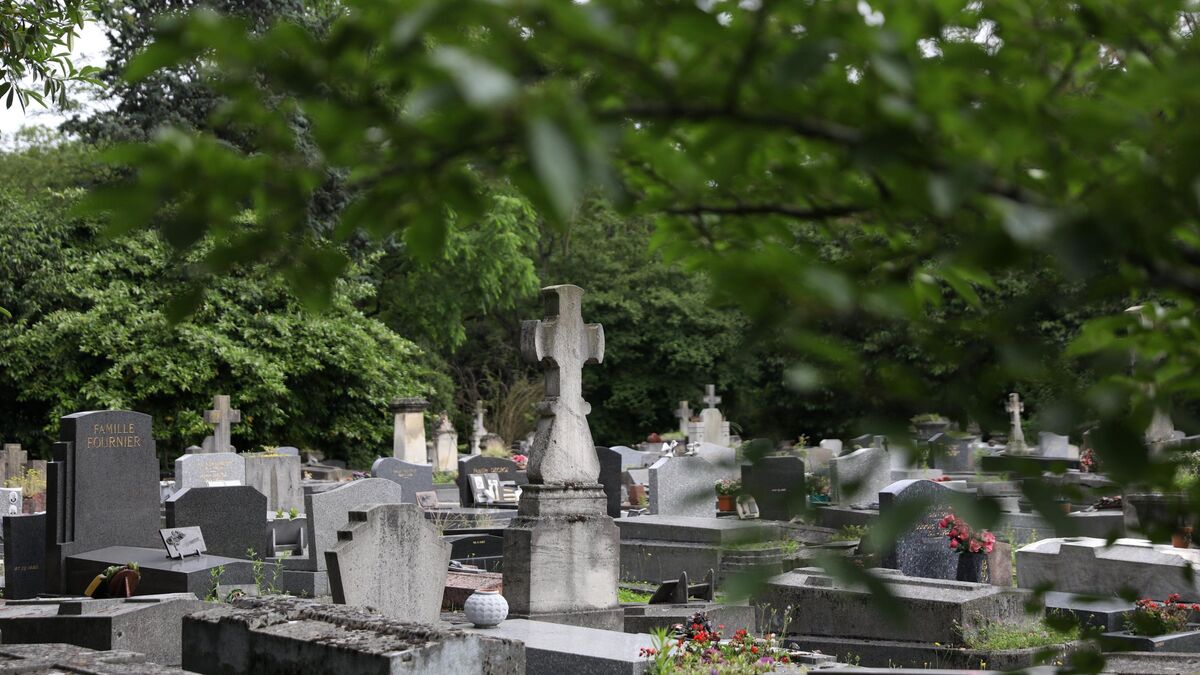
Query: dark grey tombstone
x: 233, y: 519
x: 923, y: 550
x: 102, y: 487
x: 412, y: 478
x: 482, y: 550
x: 610, y: 478
x: 953, y: 454
x: 777, y: 485
x: 505, y: 468
x: 24, y: 556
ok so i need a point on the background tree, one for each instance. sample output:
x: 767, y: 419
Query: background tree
x: 35, y: 50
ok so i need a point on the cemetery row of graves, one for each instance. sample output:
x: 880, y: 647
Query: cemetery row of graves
x: 556, y: 554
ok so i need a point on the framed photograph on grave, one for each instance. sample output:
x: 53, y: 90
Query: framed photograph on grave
x: 427, y: 500
x: 182, y: 541
x: 747, y: 508
x: 479, y: 489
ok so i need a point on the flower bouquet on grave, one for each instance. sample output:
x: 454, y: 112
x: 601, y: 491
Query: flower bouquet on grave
x: 117, y: 581
x: 727, y: 491
x: 697, y: 647
x: 1152, y: 618
x: 972, y: 548
x: 520, y: 460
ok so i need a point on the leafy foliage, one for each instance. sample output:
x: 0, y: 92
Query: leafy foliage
x: 35, y: 50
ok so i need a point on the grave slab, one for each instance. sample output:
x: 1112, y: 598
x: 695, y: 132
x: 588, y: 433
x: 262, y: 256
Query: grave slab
x: 58, y: 657
x: 24, y: 556
x: 656, y: 548
x: 149, y: 624
x: 552, y: 648
x: 160, y: 574
x: 1089, y: 566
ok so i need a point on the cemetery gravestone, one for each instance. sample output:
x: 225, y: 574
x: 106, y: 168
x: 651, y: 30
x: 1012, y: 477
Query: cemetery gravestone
x: 684, y: 413
x: 922, y: 551
x: 481, y: 550
x: 233, y: 519
x: 856, y: 478
x: 445, y: 445
x: 722, y: 457
x: 327, y: 511
x: 101, y: 488
x: 390, y: 558
x: 610, y: 478
x: 1055, y: 446
x: 209, y: 470
x: 478, y: 431
x: 478, y: 464
x: 684, y: 486
x: 221, y: 417
x: 13, y: 461
x: 777, y: 486
x: 817, y: 459
x: 634, y: 459
x: 412, y: 478
x: 408, y: 436
x: 24, y: 556
x: 954, y: 454
x: 278, y: 477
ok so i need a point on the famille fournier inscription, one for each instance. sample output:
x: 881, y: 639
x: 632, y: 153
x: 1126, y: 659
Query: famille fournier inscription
x: 114, y: 435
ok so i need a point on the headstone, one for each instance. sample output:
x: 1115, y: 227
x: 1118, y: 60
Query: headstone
x: 24, y: 556
x: 716, y: 429
x: 856, y: 478
x: 684, y: 413
x: 478, y: 464
x: 101, y: 488
x: 610, y: 478
x: 222, y: 417
x: 210, y: 470
x: 13, y: 461
x: 485, y: 551
x: 923, y: 550
x: 722, y: 457
x: 562, y: 521
x: 711, y: 400
x: 954, y: 454
x: 634, y: 459
x: 1016, y: 434
x: 233, y: 519
x: 1055, y: 446
x: 478, y: 431
x: 427, y: 500
x: 412, y: 478
x: 10, y: 502
x: 328, y: 511
x: 684, y: 486
x: 390, y: 558
x: 777, y: 485
x: 182, y: 542
x: 445, y: 445
x: 834, y: 445
x: 408, y: 436
x: 278, y: 477
x: 287, y: 450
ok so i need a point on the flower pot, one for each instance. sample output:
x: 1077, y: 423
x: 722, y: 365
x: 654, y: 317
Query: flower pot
x: 726, y: 503
x: 1182, y: 538
x: 486, y: 608
x: 973, y: 567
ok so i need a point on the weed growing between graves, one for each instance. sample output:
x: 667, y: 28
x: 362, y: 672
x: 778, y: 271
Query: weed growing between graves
x: 628, y: 595
x: 214, y: 576
x: 259, y: 566
x: 999, y: 637
x: 444, y: 477
x: 850, y: 533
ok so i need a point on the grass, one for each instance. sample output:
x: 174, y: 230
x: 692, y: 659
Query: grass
x: 849, y: 533
x: 444, y: 477
x: 997, y: 637
x: 626, y: 595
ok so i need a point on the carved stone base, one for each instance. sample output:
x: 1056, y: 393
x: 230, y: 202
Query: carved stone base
x: 562, y: 558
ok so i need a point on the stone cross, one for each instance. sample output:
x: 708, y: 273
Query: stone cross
x: 1016, y: 435
x: 479, y: 431
x: 562, y: 343
x: 710, y: 395
x: 684, y: 414
x: 222, y: 417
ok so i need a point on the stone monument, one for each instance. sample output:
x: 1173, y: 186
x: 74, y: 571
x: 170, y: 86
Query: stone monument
x: 562, y: 551
x: 1016, y: 435
x: 222, y: 418
x: 445, y: 445
x: 684, y: 413
x: 408, y: 438
x: 478, y: 431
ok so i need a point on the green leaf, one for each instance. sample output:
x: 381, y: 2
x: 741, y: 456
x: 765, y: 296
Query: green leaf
x: 480, y: 83
x: 556, y: 162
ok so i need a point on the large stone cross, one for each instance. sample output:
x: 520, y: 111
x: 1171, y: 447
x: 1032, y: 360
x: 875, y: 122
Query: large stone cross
x: 1016, y: 435
x: 710, y: 395
x: 684, y: 413
x: 222, y: 417
x: 562, y: 343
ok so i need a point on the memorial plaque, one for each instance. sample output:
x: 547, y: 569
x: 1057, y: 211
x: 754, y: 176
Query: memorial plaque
x: 479, y: 464
x: 181, y: 542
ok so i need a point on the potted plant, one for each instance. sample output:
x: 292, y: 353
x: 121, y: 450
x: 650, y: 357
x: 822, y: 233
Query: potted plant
x: 727, y: 491
x: 818, y: 490
x: 972, y: 548
x: 1157, y: 626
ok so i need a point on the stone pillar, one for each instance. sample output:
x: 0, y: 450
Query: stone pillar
x: 408, y: 437
x: 562, y: 551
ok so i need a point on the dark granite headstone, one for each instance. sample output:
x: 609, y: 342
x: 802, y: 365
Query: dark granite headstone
x: 482, y: 550
x: 233, y: 518
x: 777, y: 485
x: 101, y: 488
x: 953, y: 454
x: 923, y: 550
x: 24, y: 556
x: 479, y: 464
x: 610, y: 478
x: 412, y: 478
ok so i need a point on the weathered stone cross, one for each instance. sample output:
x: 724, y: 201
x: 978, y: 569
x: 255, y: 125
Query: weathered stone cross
x: 710, y: 395
x: 685, y: 415
x: 1016, y: 435
x: 562, y: 451
x: 479, y: 431
x: 221, y: 417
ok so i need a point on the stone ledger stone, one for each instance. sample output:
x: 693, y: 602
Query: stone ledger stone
x: 684, y: 486
x: 857, y: 478
x: 1088, y: 565
x: 278, y: 477
x: 58, y: 657
x: 159, y: 574
x: 284, y: 635
x: 101, y: 488
x: 233, y: 519
x: 412, y: 478
x: 390, y: 558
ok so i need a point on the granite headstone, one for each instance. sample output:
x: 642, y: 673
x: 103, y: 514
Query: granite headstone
x: 328, y: 511
x: 857, y: 477
x: 777, y: 485
x: 412, y: 478
x: 24, y: 556
x: 233, y: 519
x: 923, y: 550
x: 278, y: 477
x: 215, y: 469
x: 479, y: 464
x: 684, y: 486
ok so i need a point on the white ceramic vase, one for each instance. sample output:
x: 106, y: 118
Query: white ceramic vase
x: 486, y: 608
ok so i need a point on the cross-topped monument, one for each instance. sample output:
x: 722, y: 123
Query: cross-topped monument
x: 710, y: 395
x: 562, y: 343
x: 222, y: 417
x: 1016, y: 435
x: 479, y: 431
x: 684, y: 413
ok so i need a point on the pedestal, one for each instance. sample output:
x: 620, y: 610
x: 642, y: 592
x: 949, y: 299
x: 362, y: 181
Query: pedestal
x: 562, y: 558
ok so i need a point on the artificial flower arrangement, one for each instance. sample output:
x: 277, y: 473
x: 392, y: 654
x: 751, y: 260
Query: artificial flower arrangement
x: 963, y: 539
x: 697, y: 647
x: 520, y: 460
x: 1152, y: 618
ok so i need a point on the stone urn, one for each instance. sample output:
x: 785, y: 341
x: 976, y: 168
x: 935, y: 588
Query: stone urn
x: 486, y: 608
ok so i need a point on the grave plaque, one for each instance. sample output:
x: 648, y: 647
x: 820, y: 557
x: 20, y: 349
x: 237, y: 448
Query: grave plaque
x: 24, y: 556
x: 101, y: 488
x: 610, y: 478
x: 234, y: 518
x: 181, y: 542
x: 857, y: 477
x: 427, y: 500
x: 954, y: 454
x: 923, y: 550
x: 412, y: 478
x: 12, y: 462
x: 777, y: 485
x: 506, y: 469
